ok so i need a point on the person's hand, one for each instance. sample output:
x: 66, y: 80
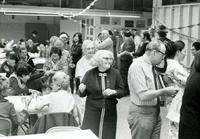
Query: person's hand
x: 47, y: 73
x: 72, y: 65
x: 82, y: 87
x: 35, y: 92
x: 109, y: 92
x: 171, y: 91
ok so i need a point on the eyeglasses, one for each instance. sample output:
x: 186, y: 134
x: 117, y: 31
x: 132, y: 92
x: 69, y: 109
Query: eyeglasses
x: 108, y: 58
x: 160, y: 52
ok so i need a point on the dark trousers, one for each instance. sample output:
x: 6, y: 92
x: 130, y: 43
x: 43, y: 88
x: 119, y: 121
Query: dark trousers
x: 187, y: 133
x: 36, y: 81
x: 125, y: 64
x: 72, y: 78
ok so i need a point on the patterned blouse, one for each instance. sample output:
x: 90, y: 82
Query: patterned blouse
x: 62, y: 65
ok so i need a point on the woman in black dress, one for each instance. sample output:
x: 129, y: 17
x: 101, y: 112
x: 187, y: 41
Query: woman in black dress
x: 102, y: 85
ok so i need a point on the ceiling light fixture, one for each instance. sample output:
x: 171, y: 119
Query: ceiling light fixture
x: 30, y: 14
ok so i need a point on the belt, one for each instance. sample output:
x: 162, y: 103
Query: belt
x: 147, y: 106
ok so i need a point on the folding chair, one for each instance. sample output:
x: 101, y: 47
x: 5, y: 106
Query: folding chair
x: 5, y: 126
x: 50, y: 120
x: 62, y: 129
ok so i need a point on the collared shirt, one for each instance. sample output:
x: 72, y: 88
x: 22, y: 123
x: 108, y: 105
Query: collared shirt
x: 60, y: 101
x: 82, y: 67
x: 140, y: 79
x: 106, y: 44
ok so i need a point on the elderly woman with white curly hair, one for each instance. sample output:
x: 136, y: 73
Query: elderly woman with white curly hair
x: 59, y: 100
x: 102, y: 85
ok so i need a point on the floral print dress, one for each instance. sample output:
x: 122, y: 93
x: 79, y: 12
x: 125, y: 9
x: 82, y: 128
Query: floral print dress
x: 178, y: 76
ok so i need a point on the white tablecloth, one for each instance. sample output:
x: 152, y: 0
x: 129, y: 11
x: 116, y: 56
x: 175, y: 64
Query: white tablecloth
x: 33, y: 55
x: 80, y: 134
x: 38, y: 60
x: 19, y: 104
x: 3, y: 74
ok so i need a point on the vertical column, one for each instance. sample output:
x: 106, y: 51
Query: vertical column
x: 171, y: 21
x: 189, y: 34
x: 199, y: 21
x: 180, y: 20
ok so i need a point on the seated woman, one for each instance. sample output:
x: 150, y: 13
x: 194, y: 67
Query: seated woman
x: 19, y: 79
x: 8, y: 66
x: 59, y: 100
x: 54, y: 64
x: 7, y: 109
x: 175, y: 75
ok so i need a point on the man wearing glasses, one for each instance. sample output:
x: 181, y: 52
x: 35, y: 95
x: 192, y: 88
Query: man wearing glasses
x: 144, y: 112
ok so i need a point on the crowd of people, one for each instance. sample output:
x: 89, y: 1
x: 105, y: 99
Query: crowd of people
x: 130, y: 63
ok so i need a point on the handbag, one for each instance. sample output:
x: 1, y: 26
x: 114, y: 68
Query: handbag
x: 174, y: 110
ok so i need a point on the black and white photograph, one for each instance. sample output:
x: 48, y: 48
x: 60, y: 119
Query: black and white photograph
x: 129, y: 23
x: 99, y: 69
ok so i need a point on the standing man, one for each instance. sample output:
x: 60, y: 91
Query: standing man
x: 36, y: 40
x: 144, y: 112
x: 106, y: 43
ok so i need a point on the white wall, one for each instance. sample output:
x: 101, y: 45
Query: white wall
x: 111, y: 26
x: 175, y: 16
x: 14, y: 28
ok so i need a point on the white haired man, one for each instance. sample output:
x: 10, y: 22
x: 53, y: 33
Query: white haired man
x: 106, y: 43
x: 144, y: 112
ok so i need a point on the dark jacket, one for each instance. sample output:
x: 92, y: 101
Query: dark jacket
x: 76, y: 52
x: 94, y: 92
x: 190, y: 110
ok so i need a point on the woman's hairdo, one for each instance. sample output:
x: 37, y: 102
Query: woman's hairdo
x: 56, y: 50
x: 23, y: 68
x: 85, y: 44
x: 61, y: 79
x: 173, y: 47
x: 97, y: 58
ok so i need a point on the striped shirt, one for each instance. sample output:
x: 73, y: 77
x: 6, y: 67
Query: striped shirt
x: 140, y: 79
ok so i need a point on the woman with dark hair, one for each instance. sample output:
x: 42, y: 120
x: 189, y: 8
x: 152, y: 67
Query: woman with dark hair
x: 54, y: 63
x: 189, y: 127
x: 76, y: 54
x: 8, y: 66
x: 19, y: 79
x: 175, y: 75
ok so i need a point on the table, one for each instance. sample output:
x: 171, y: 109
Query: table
x: 80, y: 134
x: 19, y: 104
x: 3, y: 74
x: 39, y: 60
x: 33, y: 55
